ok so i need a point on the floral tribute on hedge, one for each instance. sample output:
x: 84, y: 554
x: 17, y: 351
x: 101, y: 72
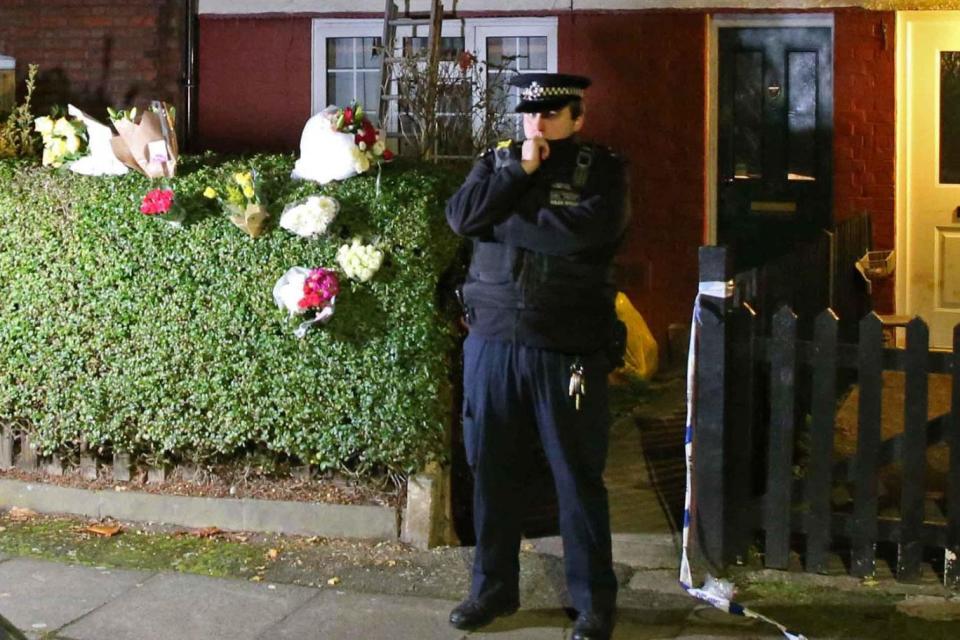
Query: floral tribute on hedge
x: 359, y: 261
x: 309, y: 217
x: 63, y: 140
x: 338, y: 143
x: 240, y: 200
x: 302, y: 291
x: 162, y: 204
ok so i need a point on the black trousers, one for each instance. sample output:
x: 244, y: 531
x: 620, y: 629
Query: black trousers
x: 507, y: 388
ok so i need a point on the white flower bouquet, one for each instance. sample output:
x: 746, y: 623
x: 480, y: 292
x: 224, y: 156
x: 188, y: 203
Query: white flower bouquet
x: 309, y: 217
x: 359, y: 261
x: 337, y: 144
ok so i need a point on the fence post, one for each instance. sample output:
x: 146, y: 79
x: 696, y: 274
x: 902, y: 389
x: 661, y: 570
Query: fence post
x: 870, y: 376
x: 741, y: 432
x: 910, y: 548
x: 777, y: 505
x: 711, y: 510
x: 822, y: 423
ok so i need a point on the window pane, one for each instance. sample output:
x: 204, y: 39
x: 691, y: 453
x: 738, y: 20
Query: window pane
x: 502, y: 52
x: 950, y: 117
x: 802, y: 116
x: 532, y: 54
x: 747, y: 114
x: 340, y: 88
x: 450, y: 48
x: 370, y: 53
x: 340, y: 53
x: 371, y: 94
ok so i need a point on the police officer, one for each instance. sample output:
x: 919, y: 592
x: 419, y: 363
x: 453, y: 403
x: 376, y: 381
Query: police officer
x: 545, y: 217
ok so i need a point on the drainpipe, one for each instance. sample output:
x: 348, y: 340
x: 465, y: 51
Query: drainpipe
x: 190, y: 86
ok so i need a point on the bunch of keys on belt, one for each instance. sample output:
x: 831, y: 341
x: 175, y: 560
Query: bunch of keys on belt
x: 578, y: 382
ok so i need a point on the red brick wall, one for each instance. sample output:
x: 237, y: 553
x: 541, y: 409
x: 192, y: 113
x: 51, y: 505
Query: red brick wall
x: 649, y: 100
x: 95, y: 53
x: 254, y: 83
x: 864, y: 126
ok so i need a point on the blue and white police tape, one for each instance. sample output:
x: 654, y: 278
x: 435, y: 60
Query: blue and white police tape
x: 717, y: 593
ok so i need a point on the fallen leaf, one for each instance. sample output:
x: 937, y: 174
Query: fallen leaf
x: 391, y: 563
x: 527, y: 546
x: 256, y: 579
x: 334, y: 581
x: 120, y: 488
x: 869, y: 581
x: 21, y: 513
x: 207, y: 532
x: 105, y: 530
x: 273, y: 554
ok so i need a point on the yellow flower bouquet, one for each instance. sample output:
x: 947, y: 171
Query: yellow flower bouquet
x: 240, y: 200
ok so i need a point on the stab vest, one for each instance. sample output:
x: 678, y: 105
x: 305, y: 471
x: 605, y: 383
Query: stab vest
x: 505, y: 277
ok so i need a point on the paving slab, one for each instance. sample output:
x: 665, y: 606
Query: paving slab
x: 636, y: 550
x: 339, y: 614
x: 189, y: 606
x: 659, y: 580
x: 40, y: 596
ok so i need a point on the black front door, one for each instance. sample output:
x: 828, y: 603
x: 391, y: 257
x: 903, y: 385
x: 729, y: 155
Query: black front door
x: 775, y: 139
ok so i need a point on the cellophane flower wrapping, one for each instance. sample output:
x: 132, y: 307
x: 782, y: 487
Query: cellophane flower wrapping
x: 337, y: 144
x: 309, y: 217
x: 301, y: 291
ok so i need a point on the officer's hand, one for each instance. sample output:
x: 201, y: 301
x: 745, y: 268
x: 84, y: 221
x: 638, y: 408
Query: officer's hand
x: 534, y: 151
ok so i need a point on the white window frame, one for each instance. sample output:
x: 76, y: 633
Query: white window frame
x: 475, y: 33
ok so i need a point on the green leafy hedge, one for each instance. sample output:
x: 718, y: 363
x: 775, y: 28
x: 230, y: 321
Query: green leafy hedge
x: 133, y: 335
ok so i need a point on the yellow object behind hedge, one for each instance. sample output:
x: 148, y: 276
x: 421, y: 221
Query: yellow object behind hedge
x: 640, y: 359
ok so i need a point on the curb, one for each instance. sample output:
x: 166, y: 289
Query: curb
x: 267, y: 516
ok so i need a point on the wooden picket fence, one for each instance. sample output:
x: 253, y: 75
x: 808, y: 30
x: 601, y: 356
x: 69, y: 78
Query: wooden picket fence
x: 755, y: 393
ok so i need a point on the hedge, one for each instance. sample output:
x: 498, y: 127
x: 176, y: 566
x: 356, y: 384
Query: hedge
x: 131, y: 335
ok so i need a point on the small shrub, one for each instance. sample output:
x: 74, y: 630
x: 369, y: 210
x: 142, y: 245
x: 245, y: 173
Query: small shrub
x: 16, y: 133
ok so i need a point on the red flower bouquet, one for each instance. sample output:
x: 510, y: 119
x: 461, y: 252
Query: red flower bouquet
x: 162, y: 204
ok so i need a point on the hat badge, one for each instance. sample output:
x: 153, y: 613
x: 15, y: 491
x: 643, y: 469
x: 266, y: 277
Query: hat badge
x: 533, y: 92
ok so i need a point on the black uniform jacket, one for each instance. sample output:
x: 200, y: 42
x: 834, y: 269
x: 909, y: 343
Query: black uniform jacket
x: 540, y: 273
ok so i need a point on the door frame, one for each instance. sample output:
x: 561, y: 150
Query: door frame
x: 715, y: 22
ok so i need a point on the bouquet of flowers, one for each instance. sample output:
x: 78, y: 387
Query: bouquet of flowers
x: 146, y: 141
x: 338, y: 143
x: 300, y: 291
x: 240, y: 200
x: 63, y: 140
x: 162, y: 204
x: 353, y: 120
x: 309, y: 217
x: 359, y: 261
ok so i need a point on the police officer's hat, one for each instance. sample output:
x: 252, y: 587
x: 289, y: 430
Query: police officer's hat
x: 547, y: 91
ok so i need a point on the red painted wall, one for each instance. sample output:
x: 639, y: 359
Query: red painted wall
x: 97, y: 52
x: 864, y: 126
x: 254, y: 83
x: 648, y: 100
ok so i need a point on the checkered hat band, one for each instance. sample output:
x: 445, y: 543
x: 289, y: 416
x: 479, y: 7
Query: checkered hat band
x: 536, y: 92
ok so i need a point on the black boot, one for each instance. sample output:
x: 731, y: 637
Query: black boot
x: 593, y: 626
x: 473, y: 613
